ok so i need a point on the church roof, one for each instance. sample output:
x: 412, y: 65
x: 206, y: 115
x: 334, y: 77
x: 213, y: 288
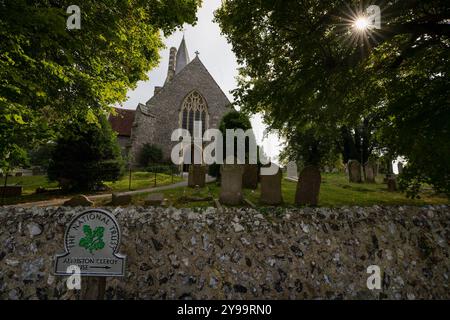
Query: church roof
x: 182, y: 57
x: 195, y: 66
x: 122, y: 122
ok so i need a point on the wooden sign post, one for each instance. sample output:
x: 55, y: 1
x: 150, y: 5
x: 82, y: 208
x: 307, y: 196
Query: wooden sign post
x: 91, y: 244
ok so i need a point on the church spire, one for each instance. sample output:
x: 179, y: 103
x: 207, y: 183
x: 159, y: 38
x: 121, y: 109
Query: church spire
x: 182, y: 59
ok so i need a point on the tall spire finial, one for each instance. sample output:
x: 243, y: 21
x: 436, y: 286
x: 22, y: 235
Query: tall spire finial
x: 182, y: 59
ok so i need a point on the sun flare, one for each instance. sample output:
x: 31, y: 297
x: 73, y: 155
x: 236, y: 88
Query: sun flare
x: 361, y: 23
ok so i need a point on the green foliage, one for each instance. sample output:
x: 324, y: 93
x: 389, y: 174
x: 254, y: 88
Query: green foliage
x: 150, y: 154
x: 234, y: 120
x: 161, y: 168
x: 305, y: 63
x: 231, y: 120
x: 93, y: 240
x: 85, y: 156
x: 40, y: 155
x: 49, y: 74
x: 310, y: 145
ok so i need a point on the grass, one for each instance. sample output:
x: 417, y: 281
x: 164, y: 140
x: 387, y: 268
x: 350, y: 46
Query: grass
x: 182, y: 197
x: 335, y: 191
x: 31, y: 183
x: 143, y: 180
x: 139, y: 180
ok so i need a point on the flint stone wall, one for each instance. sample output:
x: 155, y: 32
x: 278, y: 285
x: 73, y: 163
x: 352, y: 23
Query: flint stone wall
x: 242, y: 253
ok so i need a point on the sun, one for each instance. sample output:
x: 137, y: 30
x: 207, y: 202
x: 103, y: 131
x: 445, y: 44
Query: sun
x: 361, y: 23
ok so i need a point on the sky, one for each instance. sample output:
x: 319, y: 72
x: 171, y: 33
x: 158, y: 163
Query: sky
x: 217, y: 55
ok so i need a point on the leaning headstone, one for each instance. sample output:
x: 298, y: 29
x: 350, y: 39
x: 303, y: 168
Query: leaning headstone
x: 392, y: 184
x: 121, y: 199
x: 250, y: 177
x: 271, y: 189
x: 197, y: 176
x: 154, y: 200
x: 400, y: 167
x: 369, y: 172
x: 231, y: 184
x: 354, y: 171
x: 308, y: 187
x: 291, y: 171
x: 79, y: 201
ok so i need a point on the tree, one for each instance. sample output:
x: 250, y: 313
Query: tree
x: 85, y: 156
x: 232, y: 120
x: 305, y: 62
x: 49, y: 74
x: 150, y: 154
x: 310, y: 146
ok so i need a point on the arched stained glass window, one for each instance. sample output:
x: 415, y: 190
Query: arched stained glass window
x: 194, y: 108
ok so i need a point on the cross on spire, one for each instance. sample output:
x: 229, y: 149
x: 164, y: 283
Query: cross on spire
x: 197, y: 53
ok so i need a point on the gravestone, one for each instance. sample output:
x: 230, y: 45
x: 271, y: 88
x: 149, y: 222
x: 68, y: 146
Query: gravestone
x: 291, y: 171
x: 308, y: 187
x: 271, y: 189
x: 400, y: 167
x: 197, y: 176
x: 369, y: 172
x: 36, y: 171
x: 121, y: 199
x: 392, y: 184
x: 79, y: 201
x: 231, y: 184
x: 250, y: 177
x: 354, y: 171
x: 154, y: 200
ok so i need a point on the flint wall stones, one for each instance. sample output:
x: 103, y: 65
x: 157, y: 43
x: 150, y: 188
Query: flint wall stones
x: 242, y: 253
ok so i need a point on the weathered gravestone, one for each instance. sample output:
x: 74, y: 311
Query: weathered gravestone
x: 250, y: 177
x: 369, y: 172
x: 308, y: 187
x: 91, y: 244
x: 154, y: 200
x: 197, y: 176
x: 121, y: 199
x: 79, y: 201
x: 400, y: 167
x: 231, y: 184
x: 291, y: 171
x: 354, y: 171
x: 271, y: 189
x: 392, y: 184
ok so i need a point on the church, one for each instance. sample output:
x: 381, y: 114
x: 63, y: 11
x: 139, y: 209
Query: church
x: 189, y: 94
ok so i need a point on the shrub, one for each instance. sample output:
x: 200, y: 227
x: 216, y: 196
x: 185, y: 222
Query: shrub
x: 150, y: 154
x: 86, y: 155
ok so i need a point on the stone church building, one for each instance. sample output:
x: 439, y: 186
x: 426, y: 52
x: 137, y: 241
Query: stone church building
x: 189, y: 94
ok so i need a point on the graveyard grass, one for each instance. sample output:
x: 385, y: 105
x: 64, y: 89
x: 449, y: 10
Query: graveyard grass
x: 139, y: 181
x: 335, y: 191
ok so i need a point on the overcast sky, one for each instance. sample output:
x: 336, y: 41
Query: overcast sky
x: 216, y: 55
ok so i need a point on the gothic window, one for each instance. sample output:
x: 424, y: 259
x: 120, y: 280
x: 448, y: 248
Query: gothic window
x: 194, y: 108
